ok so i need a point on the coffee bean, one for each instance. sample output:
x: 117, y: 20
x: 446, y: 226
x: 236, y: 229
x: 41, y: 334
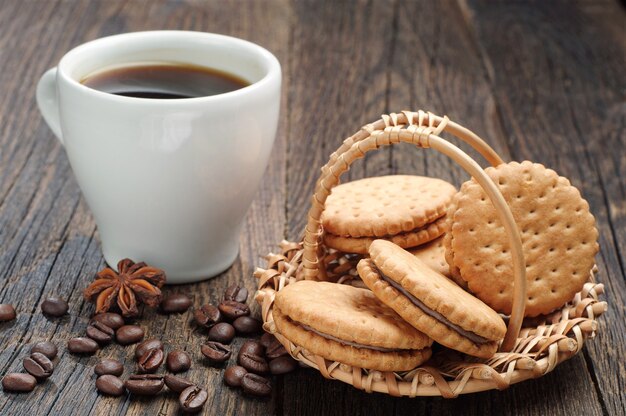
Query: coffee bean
x: 109, y: 366
x: 175, y: 303
x: 7, y: 312
x: 150, y: 361
x: 253, y: 363
x: 149, y: 344
x: 82, y: 345
x: 176, y: 384
x: 192, y: 399
x: 233, y: 375
x: 266, y: 339
x: 233, y: 310
x: 275, y: 349
x: 178, y: 361
x: 110, y: 385
x: 129, y: 334
x: 252, y: 347
x: 112, y: 320
x: 99, y: 332
x: 246, y: 325
x: 38, y: 366
x: 54, y: 306
x: 216, y: 352
x: 222, y: 332
x: 283, y: 365
x: 207, y: 316
x: 145, y: 384
x: 256, y: 385
x: 236, y: 293
x: 46, y: 348
x: 18, y: 382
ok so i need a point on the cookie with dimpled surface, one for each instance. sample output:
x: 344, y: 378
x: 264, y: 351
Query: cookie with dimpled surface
x: 433, y: 254
x: 399, y: 207
x: 431, y: 302
x: 349, y: 325
x: 559, y: 238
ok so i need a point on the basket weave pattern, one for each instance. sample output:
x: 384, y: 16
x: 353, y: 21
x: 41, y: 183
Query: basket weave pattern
x: 535, y: 346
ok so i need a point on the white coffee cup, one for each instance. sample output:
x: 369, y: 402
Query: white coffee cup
x: 168, y: 181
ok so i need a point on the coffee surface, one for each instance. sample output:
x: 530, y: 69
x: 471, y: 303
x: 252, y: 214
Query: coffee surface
x: 164, y: 81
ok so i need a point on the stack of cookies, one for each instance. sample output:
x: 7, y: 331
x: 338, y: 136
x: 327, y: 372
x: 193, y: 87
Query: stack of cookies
x: 410, y: 268
x: 407, y: 210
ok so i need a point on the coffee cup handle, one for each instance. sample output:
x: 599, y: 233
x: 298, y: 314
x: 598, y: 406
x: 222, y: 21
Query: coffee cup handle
x: 48, y: 101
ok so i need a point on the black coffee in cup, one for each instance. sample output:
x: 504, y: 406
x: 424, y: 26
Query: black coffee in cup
x: 164, y: 81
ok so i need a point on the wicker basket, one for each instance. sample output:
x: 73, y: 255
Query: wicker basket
x: 530, y: 349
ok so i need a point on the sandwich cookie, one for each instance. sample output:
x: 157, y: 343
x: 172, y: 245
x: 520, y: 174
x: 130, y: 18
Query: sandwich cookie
x: 559, y: 238
x: 432, y: 254
x: 431, y: 302
x: 406, y: 209
x: 349, y: 325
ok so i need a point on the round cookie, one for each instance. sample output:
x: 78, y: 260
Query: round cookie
x: 409, y: 239
x: 385, y: 205
x: 432, y: 254
x: 349, y: 325
x: 431, y: 302
x: 558, y: 234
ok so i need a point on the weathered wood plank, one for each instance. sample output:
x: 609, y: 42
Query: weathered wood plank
x: 560, y: 90
x: 340, y: 58
x: 437, y: 68
x: 48, y: 242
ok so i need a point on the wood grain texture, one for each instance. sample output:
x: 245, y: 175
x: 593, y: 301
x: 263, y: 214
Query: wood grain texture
x: 541, y: 82
x: 563, y: 106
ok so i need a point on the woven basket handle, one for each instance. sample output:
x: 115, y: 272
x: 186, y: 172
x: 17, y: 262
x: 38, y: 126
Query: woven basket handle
x: 396, y: 128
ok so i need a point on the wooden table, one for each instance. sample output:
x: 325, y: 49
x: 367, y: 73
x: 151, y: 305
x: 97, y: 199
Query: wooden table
x: 543, y: 82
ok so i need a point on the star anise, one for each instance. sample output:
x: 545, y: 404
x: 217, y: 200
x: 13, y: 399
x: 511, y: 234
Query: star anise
x: 131, y: 284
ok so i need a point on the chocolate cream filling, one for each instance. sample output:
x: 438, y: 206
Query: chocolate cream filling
x: 349, y: 343
x: 475, y: 338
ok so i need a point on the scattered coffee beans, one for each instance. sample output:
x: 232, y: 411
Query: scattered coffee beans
x: 38, y: 366
x: 110, y: 367
x: 283, y: 365
x: 216, y: 353
x: 275, y: 349
x: 207, y: 316
x: 252, y: 347
x: 18, y: 382
x: 222, y: 332
x: 236, y: 293
x: 246, y: 325
x: 99, y: 332
x: 176, y: 384
x: 256, y: 385
x: 82, y: 345
x: 110, y: 385
x: 46, y: 348
x: 233, y: 375
x: 150, y: 361
x: 54, y: 306
x: 192, y: 399
x: 253, y: 363
x: 129, y: 334
x: 266, y: 339
x: 7, y: 312
x: 178, y: 361
x: 145, y: 384
x: 233, y: 310
x: 175, y: 303
x: 112, y: 320
x: 149, y: 344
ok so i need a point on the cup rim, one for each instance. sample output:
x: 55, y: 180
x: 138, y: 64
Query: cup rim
x: 273, y: 67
